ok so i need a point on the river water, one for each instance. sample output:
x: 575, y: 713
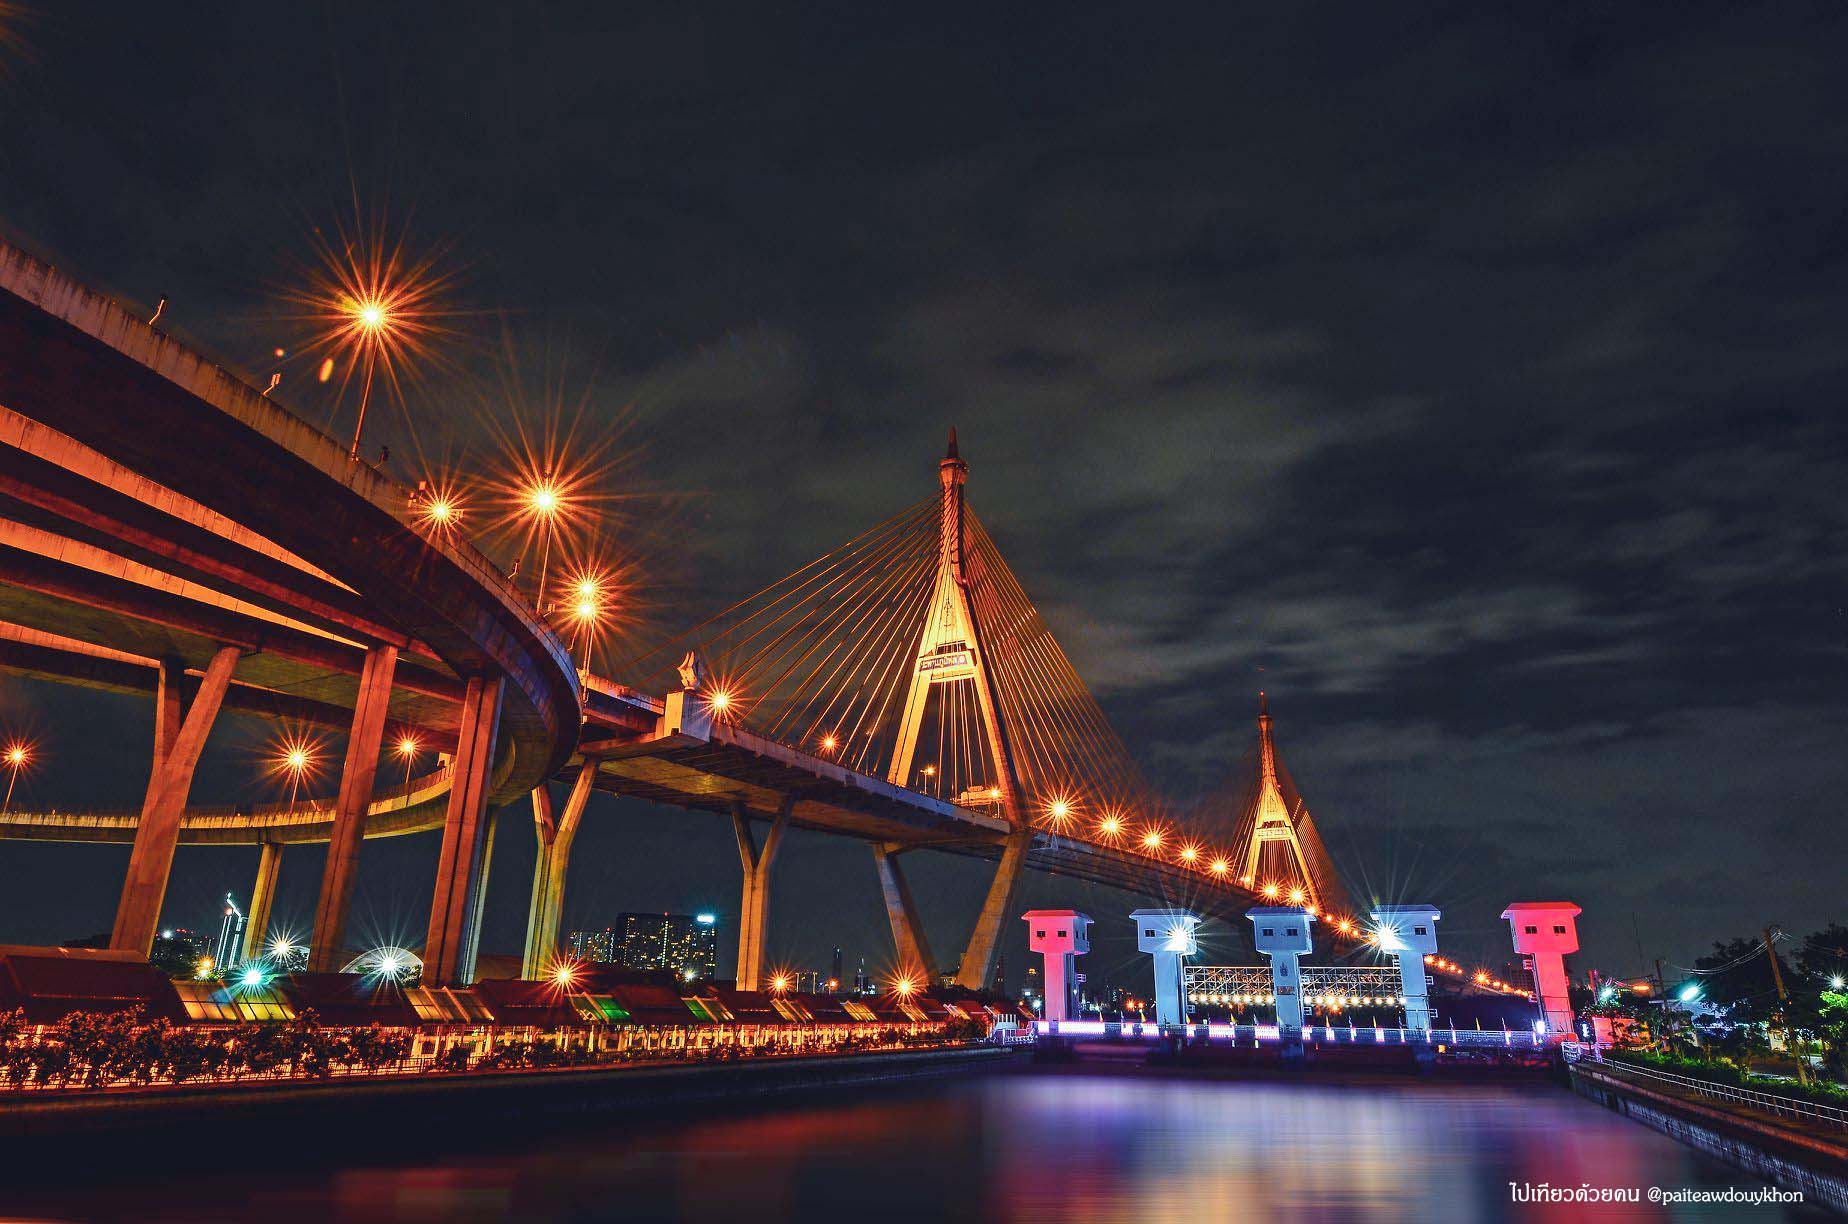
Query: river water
x: 1067, y: 1145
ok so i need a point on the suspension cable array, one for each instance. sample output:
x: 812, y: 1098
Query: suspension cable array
x: 912, y: 653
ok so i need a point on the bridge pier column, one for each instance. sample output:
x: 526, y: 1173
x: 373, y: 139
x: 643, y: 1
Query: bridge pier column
x: 478, y: 899
x: 326, y: 944
x: 754, y: 907
x: 978, y: 959
x: 555, y: 834
x: 169, y: 713
x: 158, y: 832
x: 262, y: 899
x: 908, y: 939
x: 449, y: 948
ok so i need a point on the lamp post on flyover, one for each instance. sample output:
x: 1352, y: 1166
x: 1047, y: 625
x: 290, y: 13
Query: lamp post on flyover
x: 544, y: 503
x: 407, y: 752
x: 371, y: 322
x: 18, y: 756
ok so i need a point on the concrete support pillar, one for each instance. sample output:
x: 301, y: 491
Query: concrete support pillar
x: 1060, y: 936
x: 1409, y: 932
x: 478, y: 898
x: 1281, y: 932
x: 978, y: 960
x: 171, y: 782
x: 327, y: 943
x: 262, y: 899
x: 169, y: 713
x: 1168, y: 936
x: 555, y: 834
x: 1546, y: 932
x: 914, y: 959
x: 754, y: 907
x: 450, y: 945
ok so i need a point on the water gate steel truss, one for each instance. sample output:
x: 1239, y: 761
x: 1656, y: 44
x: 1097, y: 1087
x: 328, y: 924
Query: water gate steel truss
x: 1322, y: 986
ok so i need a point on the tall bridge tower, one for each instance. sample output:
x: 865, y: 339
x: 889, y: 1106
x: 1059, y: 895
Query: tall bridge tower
x: 951, y: 655
x: 1271, y: 821
x: 950, y: 650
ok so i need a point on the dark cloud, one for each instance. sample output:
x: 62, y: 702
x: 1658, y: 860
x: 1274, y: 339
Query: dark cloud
x: 1468, y: 380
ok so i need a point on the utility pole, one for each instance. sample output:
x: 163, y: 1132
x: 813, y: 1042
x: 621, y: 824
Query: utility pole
x: 1783, y: 1009
x: 1661, y: 1002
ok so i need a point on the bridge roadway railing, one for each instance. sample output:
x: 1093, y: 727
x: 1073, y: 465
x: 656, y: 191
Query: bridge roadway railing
x: 1729, y: 1094
x: 1315, y: 1034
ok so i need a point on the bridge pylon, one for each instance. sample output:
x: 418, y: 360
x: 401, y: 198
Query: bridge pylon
x: 951, y: 652
x: 1272, y: 822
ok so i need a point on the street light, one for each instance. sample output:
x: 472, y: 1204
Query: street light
x: 296, y: 758
x: 544, y: 502
x: 407, y: 752
x: 18, y: 756
x: 372, y: 322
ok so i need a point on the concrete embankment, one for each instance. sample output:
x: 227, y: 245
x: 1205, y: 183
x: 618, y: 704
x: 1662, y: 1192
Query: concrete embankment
x: 431, y: 1105
x: 1777, y: 1150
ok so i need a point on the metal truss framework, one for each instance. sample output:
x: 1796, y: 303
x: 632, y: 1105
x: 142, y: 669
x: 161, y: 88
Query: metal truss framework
x: 1337, y: 985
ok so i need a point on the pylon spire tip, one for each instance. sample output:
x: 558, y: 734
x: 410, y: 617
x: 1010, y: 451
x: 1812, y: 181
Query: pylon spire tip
x: 952, y: 453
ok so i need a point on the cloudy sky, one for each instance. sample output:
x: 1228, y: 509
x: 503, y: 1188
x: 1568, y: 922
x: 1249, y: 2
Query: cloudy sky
x: 1472, y: 384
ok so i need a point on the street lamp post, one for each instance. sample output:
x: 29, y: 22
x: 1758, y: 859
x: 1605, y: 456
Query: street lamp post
x: 407, y: 752
x: 371, y: 322
x: 18, y: 756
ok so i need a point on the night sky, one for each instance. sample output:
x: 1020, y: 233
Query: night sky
x: 1473, y: 384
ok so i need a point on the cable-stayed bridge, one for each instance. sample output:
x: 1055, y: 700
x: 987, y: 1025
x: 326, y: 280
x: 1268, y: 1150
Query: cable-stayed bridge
x: 167, y: 530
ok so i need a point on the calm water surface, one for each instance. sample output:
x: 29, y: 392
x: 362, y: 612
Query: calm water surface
x: 1055, y: 1147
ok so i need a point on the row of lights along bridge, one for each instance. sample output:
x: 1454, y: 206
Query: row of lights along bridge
x: 382, y: 313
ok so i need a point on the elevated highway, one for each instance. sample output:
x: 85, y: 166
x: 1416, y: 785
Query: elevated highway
x: 167, y: 530
x: 164, y: 528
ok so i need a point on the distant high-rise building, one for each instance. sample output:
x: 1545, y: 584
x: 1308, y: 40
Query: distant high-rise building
x: 999, y: 984
x: 835, y: 975
x: 861, y: 983
x: 230, y: 936
x: 686, y: 944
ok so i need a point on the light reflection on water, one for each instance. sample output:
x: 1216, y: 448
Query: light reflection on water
x: 1064, y: 1147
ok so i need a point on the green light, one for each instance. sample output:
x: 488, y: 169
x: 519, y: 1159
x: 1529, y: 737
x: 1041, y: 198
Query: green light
x: 252, y: 977
x: 1689, y: 993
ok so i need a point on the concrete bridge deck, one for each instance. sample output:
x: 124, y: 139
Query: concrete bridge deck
x: 160, y: 519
